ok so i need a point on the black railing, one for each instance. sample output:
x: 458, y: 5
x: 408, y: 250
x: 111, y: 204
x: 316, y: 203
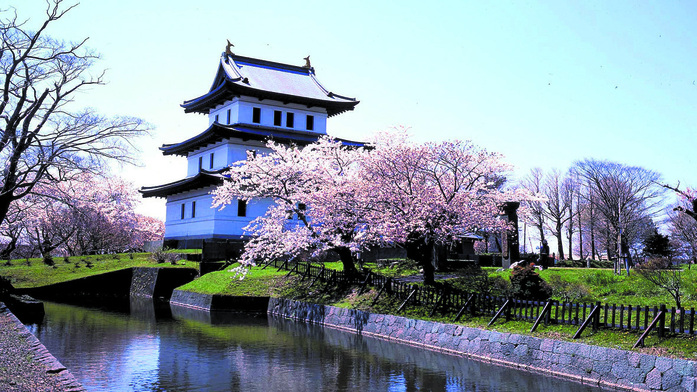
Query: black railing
x: 448, y: 300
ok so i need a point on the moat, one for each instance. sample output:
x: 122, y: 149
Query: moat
x: 146, y: 348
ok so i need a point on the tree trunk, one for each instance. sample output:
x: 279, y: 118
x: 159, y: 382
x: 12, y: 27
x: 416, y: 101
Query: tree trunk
x: 560, y: 246
x: 9, y: 248
x: 347, y: 260
x: 423, y: 253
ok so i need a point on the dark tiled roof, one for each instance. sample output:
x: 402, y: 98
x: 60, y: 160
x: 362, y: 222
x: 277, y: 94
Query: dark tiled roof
x: 238, y: 75
x: 201, y: 180
x: 219, y: 132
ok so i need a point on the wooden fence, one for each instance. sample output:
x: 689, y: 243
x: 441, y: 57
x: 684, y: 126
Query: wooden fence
x: 447, y: 301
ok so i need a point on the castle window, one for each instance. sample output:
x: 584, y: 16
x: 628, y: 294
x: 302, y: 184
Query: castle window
x: 183, y: 210
x: 216, y: 118
x: 228, y: 116
x: 310, y: 123
x: 241, y: 207
x: 256, y: 115
x: 200, y: 164
x: 277, y: 116
x: 210, y: 165
x: 193, y: 209
x: 289, y: 120
x: 253, y: 153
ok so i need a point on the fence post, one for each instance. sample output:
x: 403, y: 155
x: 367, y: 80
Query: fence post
x: 662, y: 322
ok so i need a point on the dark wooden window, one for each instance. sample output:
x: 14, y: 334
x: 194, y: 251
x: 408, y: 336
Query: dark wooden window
x: 241, y: 207
x: 210, y: 165
x: 277, y: 117
x: 253, y: 153
x: 228, y: 116
x: 310, y: 123
x: 256, y: 115
x: 289, y: 120
x: 200, y: 163
x: 193, y: 209
x: 183, y: 210
x: 216, y: 118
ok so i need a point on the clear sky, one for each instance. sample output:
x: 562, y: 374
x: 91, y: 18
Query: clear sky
x: 545, y: 83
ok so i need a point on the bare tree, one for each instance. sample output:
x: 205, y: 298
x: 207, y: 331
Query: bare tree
x: 42, y: 139
x: 535, y: 208
x: 683, y: 230
x: 659, y: 272
x: 556, y: 207
x: 625, y: 196
x: 570, y: 193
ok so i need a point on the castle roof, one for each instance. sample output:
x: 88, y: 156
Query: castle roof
x: 202, y: 179
x: 239, y: 75
x: 219, y: 132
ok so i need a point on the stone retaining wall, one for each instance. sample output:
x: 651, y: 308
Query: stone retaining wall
x: 215, y: 302
x: 607, y: 367
x: 26, y: 364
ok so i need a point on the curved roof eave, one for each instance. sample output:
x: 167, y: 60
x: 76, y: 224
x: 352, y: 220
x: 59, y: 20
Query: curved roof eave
x: 230, y: 88
x: 202, y: 179
x: 218, y: 132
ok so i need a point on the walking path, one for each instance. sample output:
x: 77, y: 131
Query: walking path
x: 25, y: 364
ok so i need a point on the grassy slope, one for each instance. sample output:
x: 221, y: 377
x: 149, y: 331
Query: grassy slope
x: 257, y: 283
x: 39, y: 274
x: 606, y: 287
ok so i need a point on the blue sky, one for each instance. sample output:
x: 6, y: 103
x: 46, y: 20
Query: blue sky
x: 544, y: 83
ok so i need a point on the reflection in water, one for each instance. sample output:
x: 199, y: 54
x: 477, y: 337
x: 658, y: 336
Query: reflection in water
x: 155, y: 349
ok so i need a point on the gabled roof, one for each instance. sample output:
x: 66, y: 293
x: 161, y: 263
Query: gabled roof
x: 203, y: 179
x: 238, y: 75
x: 219, y: 132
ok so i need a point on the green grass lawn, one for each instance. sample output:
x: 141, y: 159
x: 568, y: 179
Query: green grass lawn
x: 36, y: 273
x: 258, y: 282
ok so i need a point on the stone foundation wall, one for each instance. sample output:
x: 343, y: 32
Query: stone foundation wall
x: 215, y: 302
x: 607, y: 367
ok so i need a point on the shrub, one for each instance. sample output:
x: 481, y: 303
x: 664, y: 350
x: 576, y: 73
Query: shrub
x: 48, y: 260
x: 567, y: 291
x: 162, y: 256
x: 601, y: 278
x: 527, y: 284
x: 66, y: 259
x: 475, y: 279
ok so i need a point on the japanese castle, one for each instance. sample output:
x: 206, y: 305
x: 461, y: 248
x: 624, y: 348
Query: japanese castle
x: 250, y: 102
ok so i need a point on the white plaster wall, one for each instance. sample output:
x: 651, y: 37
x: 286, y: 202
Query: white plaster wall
x: 220, y: 158
x: 221, y: 112
x: 200, y: 225
x: 208, y: 221
x: 241, y: 110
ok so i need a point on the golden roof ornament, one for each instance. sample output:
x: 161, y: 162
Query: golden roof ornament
x: 307, y: 62
x: 228, y: 51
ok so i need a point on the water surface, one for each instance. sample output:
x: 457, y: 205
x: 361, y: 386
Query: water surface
x: 158, y: 349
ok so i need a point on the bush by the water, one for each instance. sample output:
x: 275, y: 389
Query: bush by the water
x: 526, y: 283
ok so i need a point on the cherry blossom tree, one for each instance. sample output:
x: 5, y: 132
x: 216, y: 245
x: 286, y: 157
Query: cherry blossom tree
x: 427, y: 195
x: 344, y: 199
x: 316, y: 205
x: 88, y: 214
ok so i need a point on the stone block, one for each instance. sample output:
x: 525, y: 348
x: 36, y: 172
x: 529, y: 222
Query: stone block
x: 689, y: 383
x: 663, y: 363
x: 547, y: 345
x: 671, y: 379
x: 653, y: 379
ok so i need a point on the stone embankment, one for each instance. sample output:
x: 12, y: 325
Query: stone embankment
x: 216, y: 302
x: 25, y: 364
x: 606, y: 367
